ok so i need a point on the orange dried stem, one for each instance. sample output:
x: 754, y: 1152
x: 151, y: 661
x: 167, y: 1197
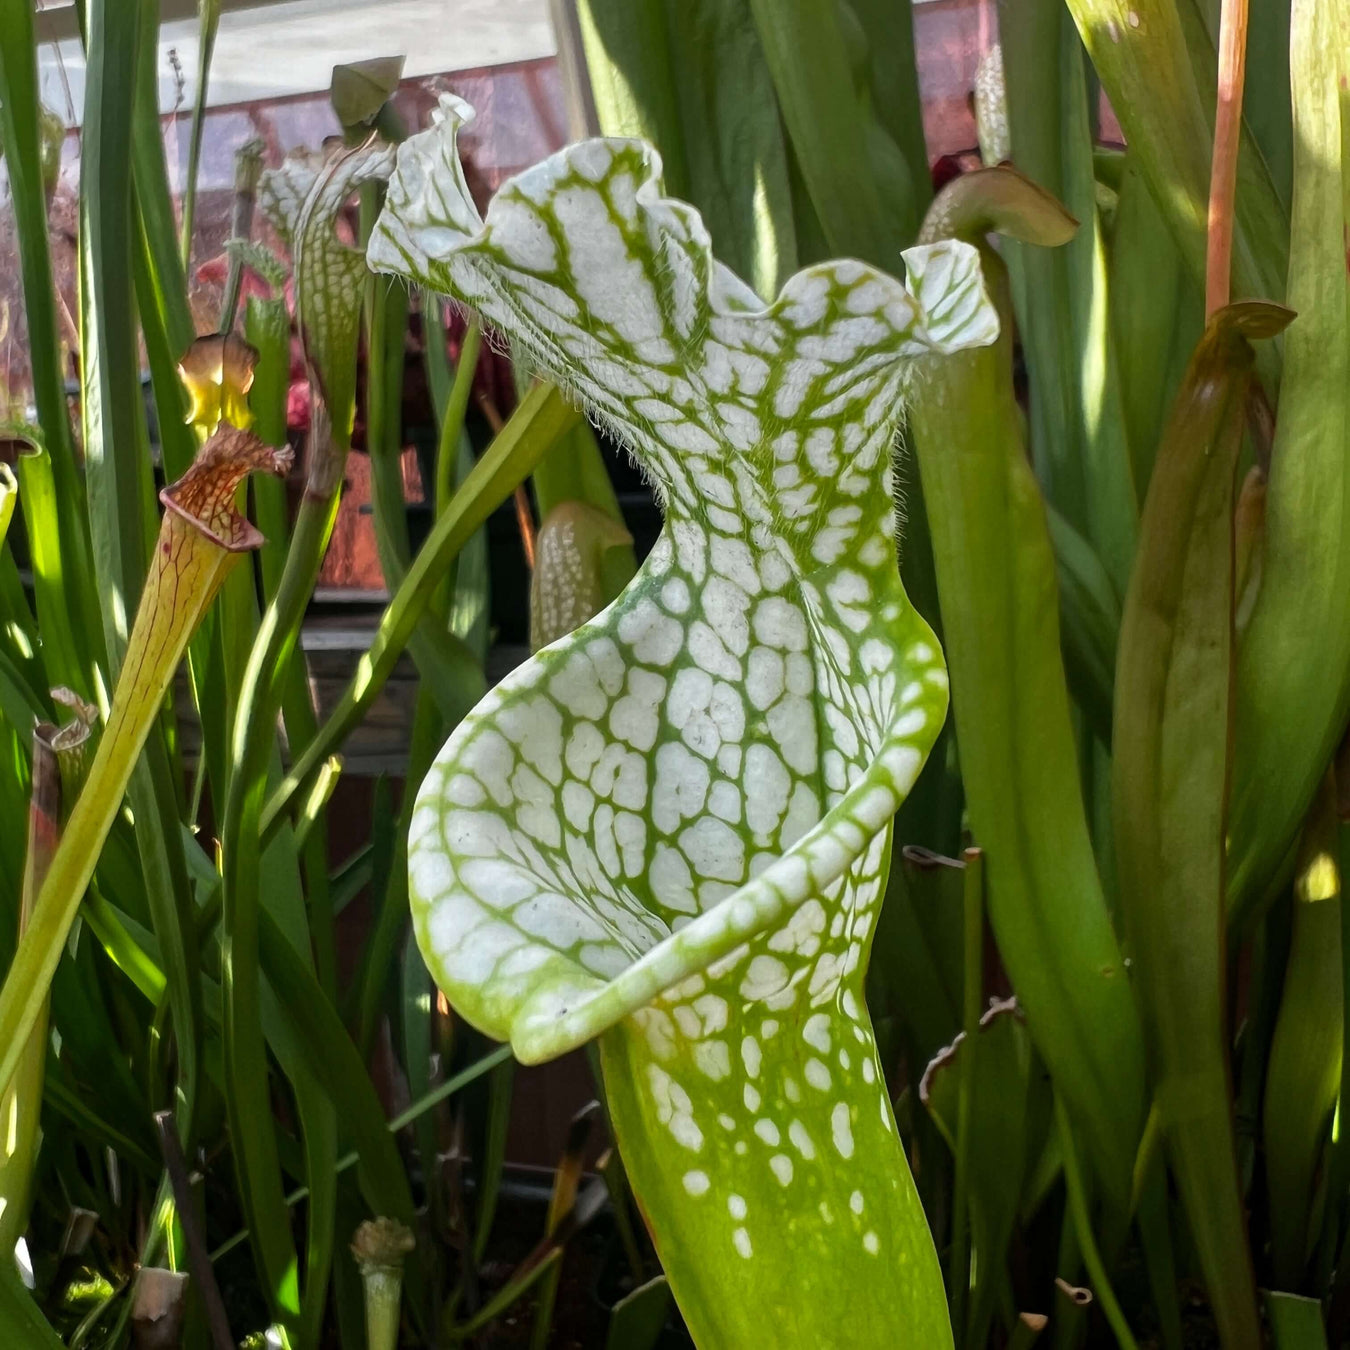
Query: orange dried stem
x: 1223, y: 168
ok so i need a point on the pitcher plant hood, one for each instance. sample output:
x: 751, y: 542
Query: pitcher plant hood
x: 673, y: 825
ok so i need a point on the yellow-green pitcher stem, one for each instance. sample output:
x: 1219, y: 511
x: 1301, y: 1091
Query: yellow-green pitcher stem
x: 201, y: 537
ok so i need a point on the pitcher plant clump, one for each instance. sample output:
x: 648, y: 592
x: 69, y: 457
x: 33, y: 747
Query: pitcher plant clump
x: 671, y: 829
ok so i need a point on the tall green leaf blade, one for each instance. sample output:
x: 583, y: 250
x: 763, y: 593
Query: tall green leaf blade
x: 304, y: 201
x: 19, y: 126
x: 1089, y: 619
x: 634, y: 85
x: 996, y: 578
x: 887, y: 28
x: 1078, y: 427
x: 66, y: 643
x: 468, y: 583
x: 807, y: 55
x: 317, y: 1112
x: 154, y: 201
x: 1171, y: 748
x: 447, y: 668
x: 1265, y: 99
x: 1157, y: 314
x: 1304, y: 1068
x: 639, y: 1318
x: 1293, y: 679
x: 21, y: 1320
x: 690, y: 76
x: 1164, y: 95
x: 338, y: 1066
x: 120, y: 488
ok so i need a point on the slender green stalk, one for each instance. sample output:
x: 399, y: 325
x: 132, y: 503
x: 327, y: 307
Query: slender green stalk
x: 248, y: 1097
x: 972, y: 946
x: 456, y: 401
x: 247, y: 173
x: 1082, y: 1222
x: 209, y: 14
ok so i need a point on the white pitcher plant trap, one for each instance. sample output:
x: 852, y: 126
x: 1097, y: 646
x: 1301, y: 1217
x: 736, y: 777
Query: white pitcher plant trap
x: 671, y: 829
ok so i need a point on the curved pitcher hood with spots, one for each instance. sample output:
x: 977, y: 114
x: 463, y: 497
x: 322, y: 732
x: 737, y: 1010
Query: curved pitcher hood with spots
x: 671, y: 829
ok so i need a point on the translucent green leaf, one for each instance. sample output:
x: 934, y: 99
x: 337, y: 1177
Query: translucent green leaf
x: 996, y: 580
x: 1293, y: 677
x: 1169, y: 790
